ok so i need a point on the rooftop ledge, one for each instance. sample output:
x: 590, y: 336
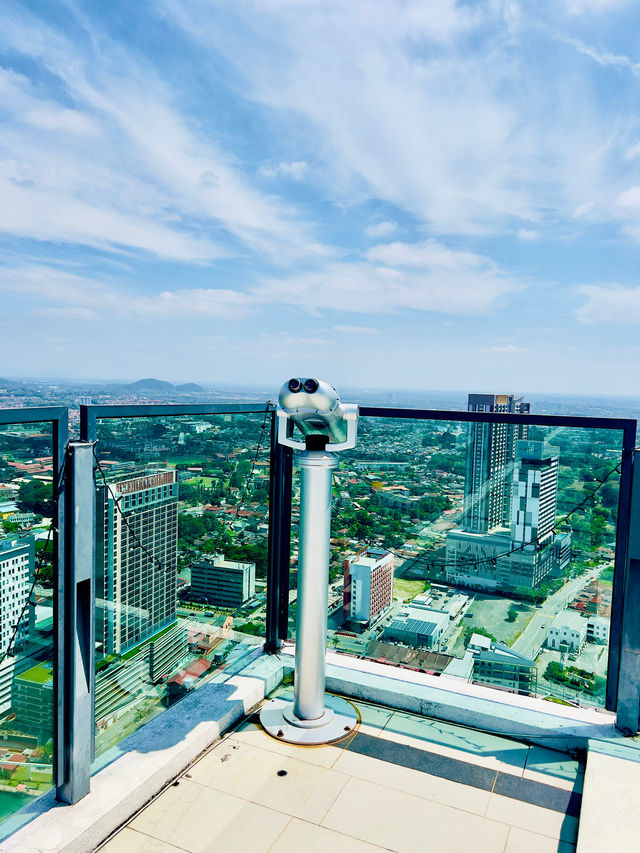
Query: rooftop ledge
x: 152, y: 757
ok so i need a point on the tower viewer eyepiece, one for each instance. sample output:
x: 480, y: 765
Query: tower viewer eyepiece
x: 311, y: 386
x: 294, y: 385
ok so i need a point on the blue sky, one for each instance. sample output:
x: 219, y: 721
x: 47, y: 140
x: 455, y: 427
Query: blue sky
x: 415, y: 194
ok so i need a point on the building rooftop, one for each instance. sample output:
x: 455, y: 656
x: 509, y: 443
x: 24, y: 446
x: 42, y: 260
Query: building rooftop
x: 399, y: 779
x: 570, y: 619
x: 41, y: 674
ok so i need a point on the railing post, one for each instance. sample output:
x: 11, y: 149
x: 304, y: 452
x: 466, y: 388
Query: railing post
x: 628, y: 712
x: 77, y: 656
x: 279, y: 542
x: 272, y: 642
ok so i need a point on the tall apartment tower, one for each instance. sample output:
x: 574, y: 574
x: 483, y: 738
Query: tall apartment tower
x: 535, y: 492
x: 490, y: 460
x: 135, y: 586
x: 368, y: 584
x: 17, y: 566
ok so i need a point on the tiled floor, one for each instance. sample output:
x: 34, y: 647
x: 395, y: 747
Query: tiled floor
x: 402, y: 783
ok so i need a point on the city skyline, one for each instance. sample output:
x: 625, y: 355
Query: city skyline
x: 272, y: 193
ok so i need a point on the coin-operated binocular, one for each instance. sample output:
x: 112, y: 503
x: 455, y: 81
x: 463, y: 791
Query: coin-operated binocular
x: 327, y: 426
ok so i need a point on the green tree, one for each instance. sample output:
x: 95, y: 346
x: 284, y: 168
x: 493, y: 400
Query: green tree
x: 36, y: 497
x: 512, y: 614
x: 555, y: 671
x: 471, y: 630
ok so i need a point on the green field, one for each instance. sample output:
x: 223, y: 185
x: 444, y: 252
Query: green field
x: 406, y: 590
x: 200, y: 481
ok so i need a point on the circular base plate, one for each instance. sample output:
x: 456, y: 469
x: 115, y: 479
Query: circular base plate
x: 275, y: 716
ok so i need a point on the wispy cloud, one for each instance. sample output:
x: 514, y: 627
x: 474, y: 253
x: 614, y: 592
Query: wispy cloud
x: 75, y: 297
x: 158, y: 185
x: 355, y: 330
x: 381, y: 229
x: 424, y: 276
x: 296, y: 170
x: 611, y: 60
x: 505, y: 350
x: 609, y: 303
x: 527, y: 234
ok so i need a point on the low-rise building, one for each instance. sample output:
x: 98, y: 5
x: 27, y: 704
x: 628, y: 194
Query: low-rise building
x: 567, y: 632
x: 415, y: 626
x: 497, y: 664
x: 33, y: 701
x: 598, y: 630
x: 441, y: 601
x: 225, y: 583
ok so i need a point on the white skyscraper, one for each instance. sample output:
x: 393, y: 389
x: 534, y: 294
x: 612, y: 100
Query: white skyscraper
x: 17, y: 565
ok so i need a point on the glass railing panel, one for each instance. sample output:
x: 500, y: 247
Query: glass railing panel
x: 181, y: 559
x: 27, y: 570
x: 478, y: 551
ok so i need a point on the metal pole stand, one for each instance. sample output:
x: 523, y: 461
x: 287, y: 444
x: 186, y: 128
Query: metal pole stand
x: 314, y: 717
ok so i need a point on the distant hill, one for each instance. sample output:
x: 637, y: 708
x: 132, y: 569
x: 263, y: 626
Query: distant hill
x: 190, y: 388
x: 156, y: 385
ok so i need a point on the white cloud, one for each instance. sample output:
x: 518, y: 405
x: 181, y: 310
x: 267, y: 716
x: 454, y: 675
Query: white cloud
x: 381, y: 229
x: 296, y: 170
x: 68, y: 313
x: 604, y: 58
x: 423, y: 276
x: 85, y: 298
x: 630, y: 198
x: 527, y: 234
x: 610, y: 303
x: 505, y: 350
x: 429, y: 253
x: 595, y: 7
x: 355, y: 330
x: 125, y: 166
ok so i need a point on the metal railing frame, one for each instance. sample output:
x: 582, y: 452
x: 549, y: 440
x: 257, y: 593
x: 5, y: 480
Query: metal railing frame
x: 58, y: 417
x: 74, y: 654
x: 620, y: 668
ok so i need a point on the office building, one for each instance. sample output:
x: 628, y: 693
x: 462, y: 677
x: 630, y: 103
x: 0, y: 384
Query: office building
x: 136, y: 557
x: 225, y: 583
x: 489, y: 466
x: 368, y: 584
x: 17, y: 567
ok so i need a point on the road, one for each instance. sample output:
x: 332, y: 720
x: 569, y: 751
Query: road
x: 535, y: 633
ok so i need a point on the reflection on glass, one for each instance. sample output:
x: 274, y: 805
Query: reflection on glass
x: 181, y: 559
x: 500, y: 541
x: 26, y: 614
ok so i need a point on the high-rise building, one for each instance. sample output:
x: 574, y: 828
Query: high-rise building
x: 368, y: 584
x: 136, y: 557
x: 525, y: 551
x: 226, y: 583
x: 17, y: 566
x: 490, y: 455
x: 533, y: 514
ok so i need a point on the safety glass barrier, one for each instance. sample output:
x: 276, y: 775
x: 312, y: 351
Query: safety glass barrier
x: 181, y: 559
x: 27, y: 592
x: 476, y: 550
